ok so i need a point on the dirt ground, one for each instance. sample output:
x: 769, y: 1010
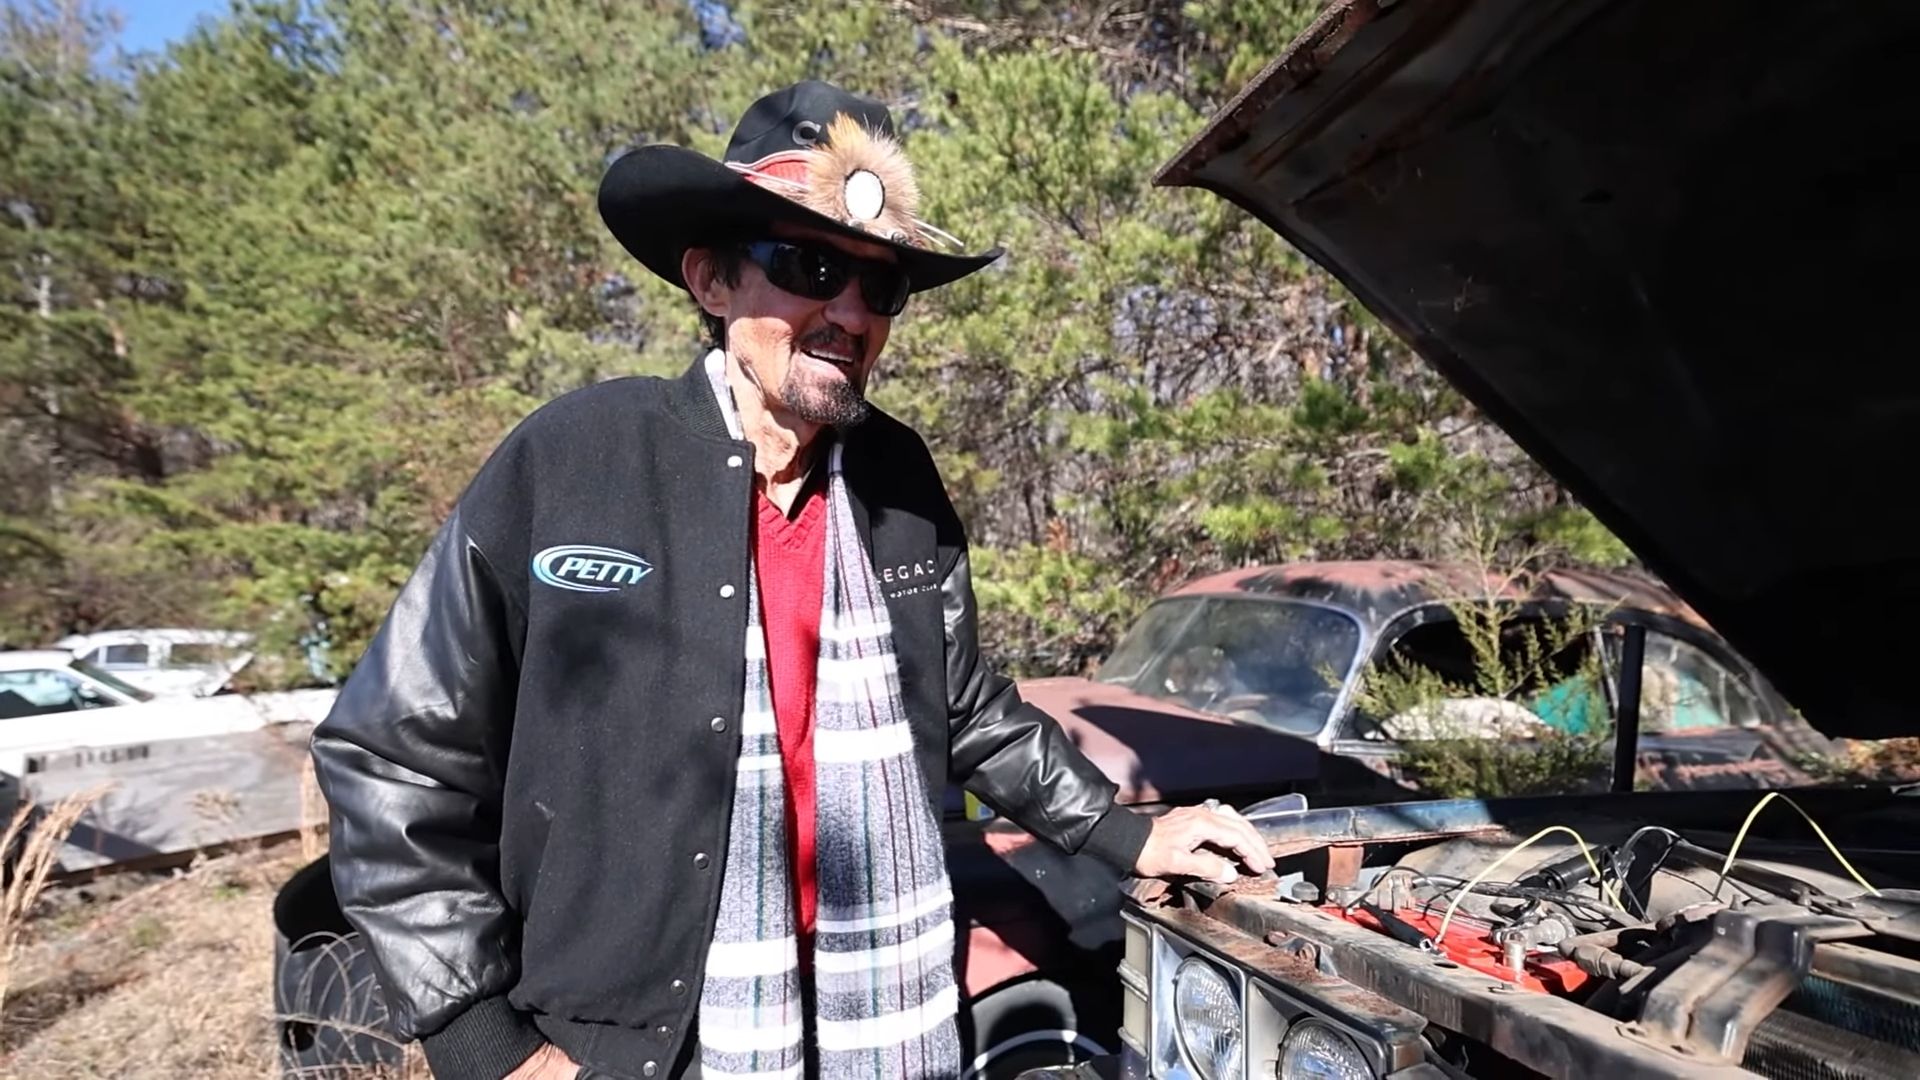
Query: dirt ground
x: 151, y: 975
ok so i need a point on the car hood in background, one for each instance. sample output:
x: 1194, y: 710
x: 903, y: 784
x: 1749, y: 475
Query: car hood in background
x: 1158, y: 751
x: 1667, y: 247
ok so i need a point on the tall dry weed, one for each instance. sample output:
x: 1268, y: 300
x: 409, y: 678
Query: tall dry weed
x: 313, y: 813
x: 28, y: 852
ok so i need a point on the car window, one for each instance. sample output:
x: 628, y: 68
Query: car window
x: 1563, y: 690
x: 111, y: 681
x: 1147, y: 640
x: 44, y: 691
x: 1276, y: 663
x: 1685, y: 688
x: 196, y: 654
x: 1703, y: 725
x: 134, y: 655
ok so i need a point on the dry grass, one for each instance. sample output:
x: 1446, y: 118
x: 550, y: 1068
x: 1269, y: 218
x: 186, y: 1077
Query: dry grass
x: 171, y: 978
x: 28, y: 851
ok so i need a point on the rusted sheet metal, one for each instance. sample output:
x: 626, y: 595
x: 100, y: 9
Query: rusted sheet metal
x: 1158, y: 751
x: 1761, y: 774
x: 1302, y: 61
x: 1753, y: 960
x: 1894, y: 912
x: 1343, y: 864
x: 1889, y: 974
x: 1547, y: 1034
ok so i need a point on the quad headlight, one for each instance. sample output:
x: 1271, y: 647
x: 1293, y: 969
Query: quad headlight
x: 1315, y: 1051
x: 1192, y: 1013
x: 1206, y: 1020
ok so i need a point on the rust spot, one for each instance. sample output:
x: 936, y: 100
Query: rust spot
x: 1295, y: 969
x: 1343, y: 864
x: 1305, y: 58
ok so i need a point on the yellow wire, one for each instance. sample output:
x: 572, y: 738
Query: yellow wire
x: 1611, y: 894
x: 1741, y: 837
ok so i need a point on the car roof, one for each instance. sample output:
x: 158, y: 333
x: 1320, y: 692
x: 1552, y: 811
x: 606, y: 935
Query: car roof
x: 28, y: 660
x: 1378, y: 589
x: 172, y: 635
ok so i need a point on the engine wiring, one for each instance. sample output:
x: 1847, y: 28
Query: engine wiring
x: 1614, y: 904
x: 1580, y: 909
x: 1609, y: 892
x: 1624, y: 861
x: 1740, y: 838
x: 1416, y: 879
x: 1624, y: 858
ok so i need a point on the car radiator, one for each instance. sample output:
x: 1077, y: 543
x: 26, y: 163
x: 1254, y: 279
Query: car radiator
x: 1831, y: 1030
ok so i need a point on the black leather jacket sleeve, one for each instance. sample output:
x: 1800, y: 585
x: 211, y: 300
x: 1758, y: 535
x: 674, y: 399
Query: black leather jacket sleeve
x: 411, y: 760
x: 1016, y: 758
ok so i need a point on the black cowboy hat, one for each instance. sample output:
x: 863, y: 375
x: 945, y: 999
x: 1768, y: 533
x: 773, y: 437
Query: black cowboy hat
x: 661, y: 200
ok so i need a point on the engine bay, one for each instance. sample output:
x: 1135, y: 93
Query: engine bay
x: 1734, y: 931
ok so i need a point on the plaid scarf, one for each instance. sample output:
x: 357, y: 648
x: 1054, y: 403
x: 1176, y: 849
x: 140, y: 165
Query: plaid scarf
x: 884, y: 996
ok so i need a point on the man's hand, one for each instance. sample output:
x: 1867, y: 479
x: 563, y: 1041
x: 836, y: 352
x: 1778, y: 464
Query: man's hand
x: 1195, y: 841
x: 547, y: 1063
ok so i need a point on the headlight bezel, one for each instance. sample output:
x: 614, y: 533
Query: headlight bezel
x: 1234, y: 1064
x: 1269, y: 1011
x: 1341, y: 1038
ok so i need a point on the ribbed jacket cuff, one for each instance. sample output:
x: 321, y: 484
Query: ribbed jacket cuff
x: 1118, y: 837
x: 486, y: 1042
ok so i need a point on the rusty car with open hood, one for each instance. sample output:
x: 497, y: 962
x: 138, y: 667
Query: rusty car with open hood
x: 1660, y: 245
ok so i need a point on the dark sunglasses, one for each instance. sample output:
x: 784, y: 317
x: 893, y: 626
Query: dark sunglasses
x: 819, y: 272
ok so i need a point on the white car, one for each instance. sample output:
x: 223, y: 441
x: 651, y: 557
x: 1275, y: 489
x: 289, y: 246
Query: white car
x: 167, y: 662
x: 50, y: 701
x: 51, y: 681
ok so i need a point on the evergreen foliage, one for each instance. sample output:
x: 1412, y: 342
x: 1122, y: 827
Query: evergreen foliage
x: 270, y: 297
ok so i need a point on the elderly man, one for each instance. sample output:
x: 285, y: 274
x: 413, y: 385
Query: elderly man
x: 643, y: 775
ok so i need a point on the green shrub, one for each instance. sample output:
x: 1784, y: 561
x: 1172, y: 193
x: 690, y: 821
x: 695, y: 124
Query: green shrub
x: 1529, y: 718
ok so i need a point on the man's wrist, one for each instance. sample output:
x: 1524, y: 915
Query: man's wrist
x: 1118, y: 838
x: 487, y: 1041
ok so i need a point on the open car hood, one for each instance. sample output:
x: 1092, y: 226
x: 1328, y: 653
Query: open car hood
x: 1664, y: 246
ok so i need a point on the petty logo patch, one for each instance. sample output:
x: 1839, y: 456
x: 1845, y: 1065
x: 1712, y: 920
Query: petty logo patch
x: 587, y: 568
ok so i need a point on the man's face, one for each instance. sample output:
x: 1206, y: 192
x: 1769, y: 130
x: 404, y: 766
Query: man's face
x: 810, y: 358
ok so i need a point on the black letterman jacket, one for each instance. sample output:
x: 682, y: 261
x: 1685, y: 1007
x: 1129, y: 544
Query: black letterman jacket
x: 530, y: 770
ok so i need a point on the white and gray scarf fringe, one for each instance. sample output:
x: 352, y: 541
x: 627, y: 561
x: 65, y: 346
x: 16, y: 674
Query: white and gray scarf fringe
x: 884, y: 993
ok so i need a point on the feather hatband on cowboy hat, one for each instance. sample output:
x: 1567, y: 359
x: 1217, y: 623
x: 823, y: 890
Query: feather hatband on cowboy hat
x: 811, y: 154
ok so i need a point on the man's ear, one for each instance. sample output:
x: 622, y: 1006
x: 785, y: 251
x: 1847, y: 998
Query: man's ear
x: 699, y: 271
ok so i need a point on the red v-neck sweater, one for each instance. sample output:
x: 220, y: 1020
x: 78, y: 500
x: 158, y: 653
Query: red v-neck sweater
x: 791, y: 554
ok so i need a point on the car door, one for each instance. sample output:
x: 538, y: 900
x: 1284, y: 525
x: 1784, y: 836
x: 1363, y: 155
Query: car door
x: 1707, y: 720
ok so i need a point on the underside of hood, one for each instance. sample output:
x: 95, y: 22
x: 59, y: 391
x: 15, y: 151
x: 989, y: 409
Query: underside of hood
x: 1665, y: 247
